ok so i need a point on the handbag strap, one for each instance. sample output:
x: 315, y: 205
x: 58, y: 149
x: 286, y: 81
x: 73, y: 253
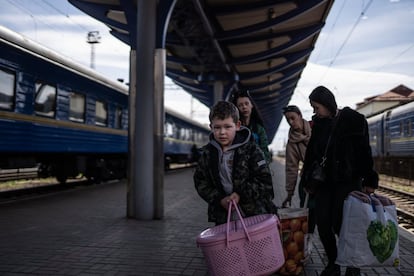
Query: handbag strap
x: 233, y: 203
x: 335, y: 121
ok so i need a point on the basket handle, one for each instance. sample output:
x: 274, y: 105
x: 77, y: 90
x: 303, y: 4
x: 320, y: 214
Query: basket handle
x: 233, y: 203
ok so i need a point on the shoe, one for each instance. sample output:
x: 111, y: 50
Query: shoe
x: 331, y: 270
x: 352, y: 271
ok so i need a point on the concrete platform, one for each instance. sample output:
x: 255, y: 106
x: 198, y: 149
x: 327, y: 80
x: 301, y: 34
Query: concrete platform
x: 85, y: 232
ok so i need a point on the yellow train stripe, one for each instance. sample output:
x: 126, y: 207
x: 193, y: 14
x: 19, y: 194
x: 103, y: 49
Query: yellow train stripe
x: 57, y: 123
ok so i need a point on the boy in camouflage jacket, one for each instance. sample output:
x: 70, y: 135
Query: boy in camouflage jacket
x: 232, y: 167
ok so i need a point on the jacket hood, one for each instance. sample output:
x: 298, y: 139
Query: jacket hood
x: 242, y: 137
x: 303, y: 135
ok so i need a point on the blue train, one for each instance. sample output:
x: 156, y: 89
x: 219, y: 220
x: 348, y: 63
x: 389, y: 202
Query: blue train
x: 392, y: 141
x: 68, y: 120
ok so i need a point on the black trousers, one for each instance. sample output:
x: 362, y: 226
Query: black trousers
x: 328, y: 214
x: 310, y: 206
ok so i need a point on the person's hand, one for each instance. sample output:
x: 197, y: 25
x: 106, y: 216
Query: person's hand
x: 309, y: 190
x: 226, y: 200
x: 368, y: 190
x: 287, y: 202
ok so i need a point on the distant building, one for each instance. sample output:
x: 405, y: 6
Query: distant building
x: 377, y: 104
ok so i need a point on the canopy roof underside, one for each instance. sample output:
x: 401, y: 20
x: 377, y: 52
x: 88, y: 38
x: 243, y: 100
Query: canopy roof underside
x: 259, y: 45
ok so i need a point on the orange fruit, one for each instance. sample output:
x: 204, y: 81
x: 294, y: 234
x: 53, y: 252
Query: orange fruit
x: 295, y: 225
x: 299, y: 238
x: 298, y: 257
x: 292, y: 249
x: 290, y: 265
x: 299, y: 270
x: 305, y: 227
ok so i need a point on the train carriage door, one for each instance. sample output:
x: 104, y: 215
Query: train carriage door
x: 387, y: 134
x: 118, y: 117
x: 381, y: 138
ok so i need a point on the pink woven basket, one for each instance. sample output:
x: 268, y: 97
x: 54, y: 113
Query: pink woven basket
x: 249, y: 246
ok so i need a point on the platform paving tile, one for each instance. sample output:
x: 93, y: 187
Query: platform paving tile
x: 86, y: 232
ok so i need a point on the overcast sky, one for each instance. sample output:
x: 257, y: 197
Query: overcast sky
x: 366, y: 48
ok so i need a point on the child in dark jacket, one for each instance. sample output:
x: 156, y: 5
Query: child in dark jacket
x: 232, y: 167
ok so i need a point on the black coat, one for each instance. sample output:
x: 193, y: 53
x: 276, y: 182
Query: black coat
x: 349, y: 157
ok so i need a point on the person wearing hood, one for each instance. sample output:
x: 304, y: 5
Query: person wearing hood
x: 340, y: 143
x: 232, y: 167
x: 299, y: 135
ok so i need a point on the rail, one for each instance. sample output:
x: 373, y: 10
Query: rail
x: 404, y: 202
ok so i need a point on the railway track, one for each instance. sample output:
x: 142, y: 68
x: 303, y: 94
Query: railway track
x: 24, y: 183
x: 41, y: 189
x: 32, y: 173
x: 404, y: 202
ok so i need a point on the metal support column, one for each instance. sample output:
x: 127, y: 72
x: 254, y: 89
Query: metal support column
x: 218, y: 91
x: 159, y: 75
x: 141, y: 107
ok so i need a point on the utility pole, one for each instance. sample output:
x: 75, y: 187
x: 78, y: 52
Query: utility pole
x: 93, y: 38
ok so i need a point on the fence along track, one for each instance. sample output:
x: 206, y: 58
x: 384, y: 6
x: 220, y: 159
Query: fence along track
x: 17, y: 174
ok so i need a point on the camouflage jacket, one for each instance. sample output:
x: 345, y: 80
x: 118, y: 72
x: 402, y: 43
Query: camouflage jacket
x: 251, y: 180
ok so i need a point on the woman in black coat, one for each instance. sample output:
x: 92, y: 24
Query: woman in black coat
x: 340, y: 137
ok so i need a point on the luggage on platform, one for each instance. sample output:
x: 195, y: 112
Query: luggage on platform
x: 369, y: 232
x: 295, y: 238
x: 247, y: 246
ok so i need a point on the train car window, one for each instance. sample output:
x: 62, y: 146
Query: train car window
x: 202, y: 137
x: 169, y: 129
x: 118, y: 117
x: 45, y: 101
x: 190, y: 135
x: 7, y: 81
x: 407, y: 129
x: 125, y: 119
x: 187, y: 134
x: 374, y: 134
x: 77, y: 108
x: 182, y: 134
x: 199, y: 137
x: 165, y: 129
x: 101, y: 114
x: 173, y: 130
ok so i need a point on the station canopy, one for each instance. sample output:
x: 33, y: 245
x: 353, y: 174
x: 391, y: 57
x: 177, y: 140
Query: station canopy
x: 259, y: 45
